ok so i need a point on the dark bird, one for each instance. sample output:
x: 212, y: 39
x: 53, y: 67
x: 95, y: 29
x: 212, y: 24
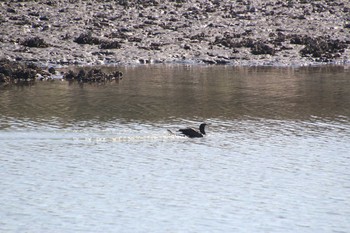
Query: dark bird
x: 192, y: 133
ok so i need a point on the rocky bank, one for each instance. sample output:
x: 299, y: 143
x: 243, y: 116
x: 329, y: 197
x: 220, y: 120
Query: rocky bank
x: 240, y: 32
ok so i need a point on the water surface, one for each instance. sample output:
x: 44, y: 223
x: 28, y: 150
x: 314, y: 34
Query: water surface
x: 99, y: 158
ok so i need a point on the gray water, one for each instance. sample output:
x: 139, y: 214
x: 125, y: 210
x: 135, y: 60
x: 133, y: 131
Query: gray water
x: 99, y: 157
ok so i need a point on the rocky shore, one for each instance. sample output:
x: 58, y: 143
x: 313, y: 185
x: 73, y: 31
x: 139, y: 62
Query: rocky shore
x: 13, y: 72
x: 241, y: 32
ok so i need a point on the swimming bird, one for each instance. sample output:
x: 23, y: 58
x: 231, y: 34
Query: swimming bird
x: 192, y: 133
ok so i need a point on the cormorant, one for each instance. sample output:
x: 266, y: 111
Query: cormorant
x: 191, y: 133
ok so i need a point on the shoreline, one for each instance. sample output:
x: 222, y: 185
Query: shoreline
x: 242, y: 33
x: 19, y: 73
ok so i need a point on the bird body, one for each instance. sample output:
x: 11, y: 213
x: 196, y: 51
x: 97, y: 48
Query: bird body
x: 192, y: 133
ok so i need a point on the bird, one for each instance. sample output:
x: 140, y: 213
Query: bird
x: 192, y: 133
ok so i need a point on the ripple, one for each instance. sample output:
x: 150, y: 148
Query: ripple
x: 275, y: 157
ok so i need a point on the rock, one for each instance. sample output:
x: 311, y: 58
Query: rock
x: 44, y: 18
x: 325, y: 49
x: 92, y: 76
x: 35, y: 42
x: 198, y: 37
x: 110, y: 45
x: 15, y: 72
x: 86, y: 38
x: 11, y: 10
x: 300, y: 39
x: 187, y: 47
x: 322, y: 48
x: 52, y: 70
x: 234, y: 41
x: 262, y: 48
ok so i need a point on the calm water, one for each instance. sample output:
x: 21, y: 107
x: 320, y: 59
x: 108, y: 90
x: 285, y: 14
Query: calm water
x: 99, y: 158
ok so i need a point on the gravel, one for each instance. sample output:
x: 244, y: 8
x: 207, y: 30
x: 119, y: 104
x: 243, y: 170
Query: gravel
x: 242, y: 32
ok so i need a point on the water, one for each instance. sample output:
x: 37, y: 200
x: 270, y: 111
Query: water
x: 99, y: 158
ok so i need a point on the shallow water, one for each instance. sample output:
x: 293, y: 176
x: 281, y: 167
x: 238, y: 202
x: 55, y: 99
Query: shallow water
x: 99, y: 158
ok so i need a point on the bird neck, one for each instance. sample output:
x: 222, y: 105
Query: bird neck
x: 201, y: 129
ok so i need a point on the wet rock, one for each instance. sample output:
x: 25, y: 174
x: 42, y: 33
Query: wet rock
x: 92, y: 76
x: 226, y: 41
x: 14, y: 72
x: 35, y: 42
x: 187, y: 47
x: 52, y: 70
x: 234, y: 41
x: 144, y: 61
x: 109, y: 45
x: 11, y: 10
x: 324, y: 49
x: 247, y: 42
x: 86, y: 38
x: 152, y: 46
x: 222, y: 62
x: 70, y: 76
x: 198, y: 37
x: 103, y: 53
x: 121, y: 34
x: 209, y: 61
x: 262, y: 48
x: 34, y: 13
x: 137, y: 3
x: 44, y: 18
x: 155, y: 46
x: 300, y: 39
x: 134, y: 39
x: 281, y: 37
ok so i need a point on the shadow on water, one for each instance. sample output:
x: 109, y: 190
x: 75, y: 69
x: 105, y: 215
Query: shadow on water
x: 160, y: 93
